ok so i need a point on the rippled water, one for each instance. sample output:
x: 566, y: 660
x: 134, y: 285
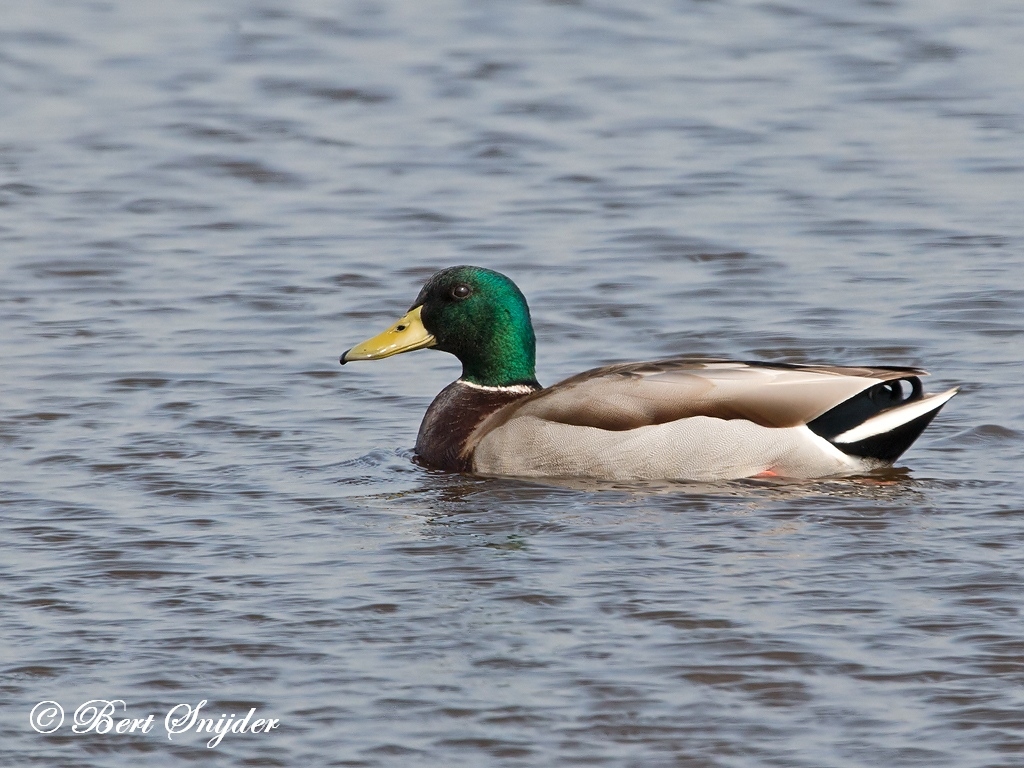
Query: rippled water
x: 203, y: 203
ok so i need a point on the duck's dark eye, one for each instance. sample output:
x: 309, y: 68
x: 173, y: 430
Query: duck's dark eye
x: 461, y: 291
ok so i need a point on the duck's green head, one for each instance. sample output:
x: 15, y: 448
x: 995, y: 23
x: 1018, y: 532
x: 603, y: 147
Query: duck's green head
x: 476, y: 314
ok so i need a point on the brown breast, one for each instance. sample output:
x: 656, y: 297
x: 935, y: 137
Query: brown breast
x: 450, y: 420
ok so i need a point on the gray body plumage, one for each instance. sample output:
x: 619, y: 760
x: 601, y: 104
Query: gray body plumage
x: 701, y: 419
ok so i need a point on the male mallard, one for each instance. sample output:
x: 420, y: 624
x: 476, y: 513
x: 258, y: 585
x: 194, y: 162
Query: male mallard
x: 682, y: 418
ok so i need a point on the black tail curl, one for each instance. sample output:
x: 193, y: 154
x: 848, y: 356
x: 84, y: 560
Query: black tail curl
x: 886, y: 447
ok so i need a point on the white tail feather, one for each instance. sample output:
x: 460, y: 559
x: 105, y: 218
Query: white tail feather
x: 887, y: 421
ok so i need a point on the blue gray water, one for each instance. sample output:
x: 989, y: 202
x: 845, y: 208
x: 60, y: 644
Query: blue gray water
x: 202, y: 204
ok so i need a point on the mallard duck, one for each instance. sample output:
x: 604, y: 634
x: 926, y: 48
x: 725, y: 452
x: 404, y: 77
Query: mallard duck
x: 680, y: 418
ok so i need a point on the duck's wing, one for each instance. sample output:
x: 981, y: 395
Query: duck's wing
x: 632, y: 395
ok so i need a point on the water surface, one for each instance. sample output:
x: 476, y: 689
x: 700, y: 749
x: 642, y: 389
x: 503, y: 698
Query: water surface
x: 203, y: 203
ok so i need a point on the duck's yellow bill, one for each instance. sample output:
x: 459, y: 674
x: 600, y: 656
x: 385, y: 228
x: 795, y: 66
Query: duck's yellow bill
x: 404, y: 336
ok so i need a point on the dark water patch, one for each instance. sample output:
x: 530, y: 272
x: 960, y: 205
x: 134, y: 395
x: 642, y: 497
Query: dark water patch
x: 55, y: 605
x: 321, y: 374
x: 167, y: 487
x: 148, y: 205
x: 41, y: 37
x: 390, y: 750
x: 551, y: 111
x: 668, y: 247
x: 505, y: 663
x: 166, y: 544
x: 604, y: 311
x: 70, y: 459
x: 43, y: 416
x: 101, y: 143
x: 226, y: 226
x: 928, y: 51
x: 178, y: 406
x: 554, y: 211
x: 904, y: 98
x: 382, y: 608
x: 140, y: 382
x: 1000, y: 300
x: 679, y: 620
x: 106, y: 468
x: 333, y: 27
x: 861, y: 69
x: 537, y: 599
x: 12, y: 191
x: 968, y: 241
x: 140, y: 574
x: 234, y: 428
x: 305, y: 290
x: 47, y: 534
x: 253, y: 171
x: 492, y: 70
x: 325, y: 91
x: 358, y: 280
x: 501, y: 145
x: 420, y: 217
x: 579, y: 178
x: 264, y: 303
x: 704, y: 184
x: 989, y: 166
x: 76, y: 269
x: 717, y: 135
x: 203, y: 132
x: 34, y: 671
